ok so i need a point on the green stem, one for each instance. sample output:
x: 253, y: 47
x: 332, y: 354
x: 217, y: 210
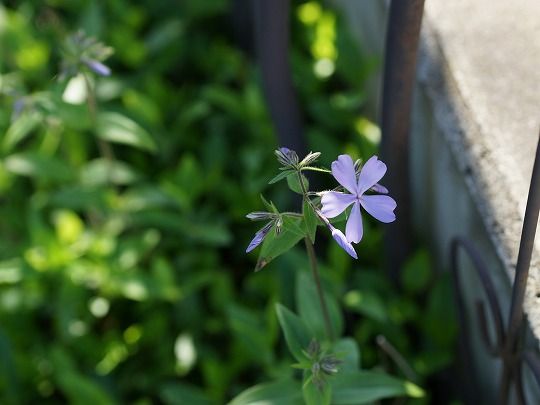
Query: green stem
x: 105, y: 149
x: 320, y: 293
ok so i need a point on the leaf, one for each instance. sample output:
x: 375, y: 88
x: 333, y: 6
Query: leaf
x: 178, y: 393
x: 20, y: 129
x: 35, y: 165
x: 346, y: 350
x: 309, y: 307
x: 79, y: 389
x: 100, y: 172
x: 275, y: 245
x: 315, y: 396
x: 285, y: 392
x: 367, y: 303
x: 280, y: 176
x: 416, y: 273
x: 297, y: 334
x: 115, y: 127
x: 363, y: 387
x: 310, y: 221
x: 294, y: 183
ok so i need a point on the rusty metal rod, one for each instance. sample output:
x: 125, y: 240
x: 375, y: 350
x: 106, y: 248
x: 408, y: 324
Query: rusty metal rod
x: 526, y: 245
x: 272, y: 45
x: 402, y: 34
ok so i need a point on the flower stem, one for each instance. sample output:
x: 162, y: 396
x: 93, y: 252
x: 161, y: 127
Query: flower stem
x: 320, y: 293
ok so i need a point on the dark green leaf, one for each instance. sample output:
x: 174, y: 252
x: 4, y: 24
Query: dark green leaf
x: 416, y: 273
x: 363, y: 387
x: 280, y: 176
x: 297, y: 334
x: 367, y: 303
x: 346, y: 350
x: 277, y: 244
x: 286, y: 392
x: 309, y: 307
x: 310, y: 220
x: 314, y: 395
x: 178, y: 393
x: 294, y: 183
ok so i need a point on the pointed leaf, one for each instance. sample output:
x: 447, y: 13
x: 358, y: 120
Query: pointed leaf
x: 310, y: 221
x: 275, y: 245
x: 297, y: 334
x: 115, y: 127
x: 285, y: 392
x: 20, y: 129
x: 294, y: 183
x: 280, y: 176
x: 363, y: 387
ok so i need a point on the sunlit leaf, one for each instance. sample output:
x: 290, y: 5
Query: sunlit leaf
x: 115, y: 127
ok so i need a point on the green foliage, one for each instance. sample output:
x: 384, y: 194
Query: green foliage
x: 123, y: 277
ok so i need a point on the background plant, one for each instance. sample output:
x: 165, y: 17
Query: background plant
x: 125, y: 279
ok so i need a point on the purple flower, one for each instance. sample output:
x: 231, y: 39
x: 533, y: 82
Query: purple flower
x: 97, y: 67
x: 343, y: 242
x: 259, y: 236
x: 379, y: 206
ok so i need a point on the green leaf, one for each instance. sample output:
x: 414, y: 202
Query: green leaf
x: 346, y: 350
x: 294, y: 183
x: 285, y: 392
x: 115, y: 127
x: 310, y: 221
x: 20, y: 129
x: 280, y: 176
x: 178, y: 393
x: 309, y: 307
x: 315, y: 396
x: 102, y: 171
x: 367, y: 303
x: 35, y: 165
x: 416, y: 273
x: 297, y: 334
x: 363, y: 387
x: 275, y: 245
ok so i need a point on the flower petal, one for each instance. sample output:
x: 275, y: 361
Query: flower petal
x: 379, y: 206
x: 334, y: 203
x: 342, y: 241
x: 354, y: 230
x: 343, y: 171
x: 372, y: 171
x: 379, y: 188
x: 259, y: 237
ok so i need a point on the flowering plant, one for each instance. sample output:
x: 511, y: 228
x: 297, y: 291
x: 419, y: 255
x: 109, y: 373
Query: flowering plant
x: 330, y: 363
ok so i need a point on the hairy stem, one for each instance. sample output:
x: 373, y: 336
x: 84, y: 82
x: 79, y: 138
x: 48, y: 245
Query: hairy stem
x: 320, y: 293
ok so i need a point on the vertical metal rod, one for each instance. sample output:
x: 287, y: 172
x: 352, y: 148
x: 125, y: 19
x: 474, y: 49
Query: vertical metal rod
x: 272, y: 43
x: 403, y: 31
x: 521, y: 274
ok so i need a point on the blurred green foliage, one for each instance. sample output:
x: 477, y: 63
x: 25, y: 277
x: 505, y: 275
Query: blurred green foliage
x: 123, y: 277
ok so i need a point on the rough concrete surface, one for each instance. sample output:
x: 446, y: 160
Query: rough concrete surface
x: 480, y: 63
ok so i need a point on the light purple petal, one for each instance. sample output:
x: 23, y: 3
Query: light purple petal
x: 354, y: 230
x: 379, y: 206
x: 259, y: 237
x: 343, y: 171
x: 372, y: 171
x: 379, y: 188
x: 334, y: 203
x: 342, y: 241
x: 98, y: 67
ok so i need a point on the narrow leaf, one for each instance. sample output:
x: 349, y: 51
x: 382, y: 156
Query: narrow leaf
x: 363, y: 387
x: 310, y: 221
x: 20, y: 129
x: 285, y: 392
x: 297, y: 334
x: 118, y: 128
x: 280, y: 176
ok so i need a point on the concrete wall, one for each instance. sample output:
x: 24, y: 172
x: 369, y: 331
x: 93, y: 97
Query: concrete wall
x: 474, y: 133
